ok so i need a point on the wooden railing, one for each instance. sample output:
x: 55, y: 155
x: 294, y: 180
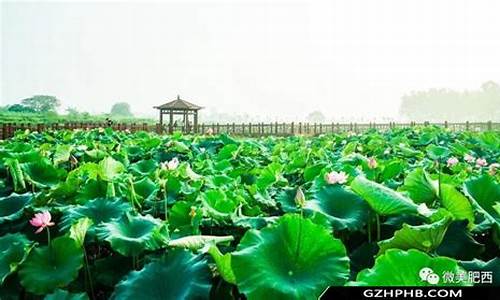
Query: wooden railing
x: 249, y: 129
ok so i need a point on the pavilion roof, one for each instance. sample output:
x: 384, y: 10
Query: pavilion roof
x: 179, y: 104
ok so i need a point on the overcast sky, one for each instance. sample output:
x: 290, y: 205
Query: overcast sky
x: 270, y: 58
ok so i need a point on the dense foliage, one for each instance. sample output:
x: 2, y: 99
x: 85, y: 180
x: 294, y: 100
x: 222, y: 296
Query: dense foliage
x: 17, y: 114
x: 142, y: 216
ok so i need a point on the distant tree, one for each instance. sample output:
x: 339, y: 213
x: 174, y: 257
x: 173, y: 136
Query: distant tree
x: 438, y: 105
x: 121, y: 109
x: 19, y: 108
x: 72, y: 112
x: 316, y: 117
x: 41, y: 103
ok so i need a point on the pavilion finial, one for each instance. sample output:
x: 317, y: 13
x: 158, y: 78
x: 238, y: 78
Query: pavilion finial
x: 178, y: 97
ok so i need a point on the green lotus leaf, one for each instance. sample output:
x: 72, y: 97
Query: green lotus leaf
x: 195, y: 242
x: 459, y: 243
x: 92, y: 189
x: 382, y: 199
x: 100, y: 210
x: 21, y: 151
x: 485, y: 194
x: 96, y: 154
x: 14, y: 248
x: 185, y: 171
x: 227, y: 151
x: 286, y: 200
x: 269, y: 175
x: 134, y: 152
x: 179, y: 147
x: 437, y: 152
x: 16, y: 174
x: 294, y: 259
x: 89, y: 170
x: 311, y: 171
x: 42, y: 173
x: 131, y: 235
x: 392, y: 169
x: 181, y: 218
x: 12, y: 207
x: 146, y: 188
x: 109, y: 168
x: 62, y: 153
x: 79, y: 229
x: 490, y: 140
x: 177, y: 275
x: 223, y: 263
x: 144, y: 167
x: 457, y: 204
x: 255, y: 222
x: 46, y: 268
x: 422, y: 237
x: 403, y: 268
x: 217, y: 204
x: 492, y: 266
x: 65, y: 295
x: 419, y: 188
x: 344, y: 209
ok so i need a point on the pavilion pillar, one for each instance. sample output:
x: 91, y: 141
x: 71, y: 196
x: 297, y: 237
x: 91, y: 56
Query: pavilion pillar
x: 195, y: 121
x: 171, y: 123
x: 161, y: 121
x: 185, y: 124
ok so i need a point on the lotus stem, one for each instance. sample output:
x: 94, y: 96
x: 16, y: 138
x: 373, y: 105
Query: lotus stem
x: 89, y: 276
x: 439, y: 179
x: 135, y: 262
x: 369, y: 229
x: 49, y: 243
x: 165, y: 198
x: 377, y: 220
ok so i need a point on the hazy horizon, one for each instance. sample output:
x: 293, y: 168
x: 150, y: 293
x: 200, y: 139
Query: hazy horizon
x: 277, y: 59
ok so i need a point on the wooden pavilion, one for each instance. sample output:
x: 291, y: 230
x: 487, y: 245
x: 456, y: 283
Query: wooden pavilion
x: 180, y: 107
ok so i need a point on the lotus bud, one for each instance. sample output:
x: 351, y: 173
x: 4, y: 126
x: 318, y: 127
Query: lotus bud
x: 493, y: 169
x: 300, y: 198
x: 372, y: 163
x: 192, y: 212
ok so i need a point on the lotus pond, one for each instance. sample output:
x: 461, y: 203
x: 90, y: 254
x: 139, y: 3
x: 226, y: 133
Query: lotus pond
x: 102, y: 214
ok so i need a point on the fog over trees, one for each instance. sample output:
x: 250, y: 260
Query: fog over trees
x: 436, y: 105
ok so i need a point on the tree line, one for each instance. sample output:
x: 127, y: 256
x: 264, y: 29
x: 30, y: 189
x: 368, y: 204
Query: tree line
x: 44, y: 104
x: 437, y: 105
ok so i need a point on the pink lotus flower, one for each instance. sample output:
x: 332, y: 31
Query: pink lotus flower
x: 469, y: 158
x: 451, y: 162
x: 372, y: 163
x: 209, y: 131
x: 336, y: 177
x: 481, y: 162
x: 173, y: 164
x: 42, y: 220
